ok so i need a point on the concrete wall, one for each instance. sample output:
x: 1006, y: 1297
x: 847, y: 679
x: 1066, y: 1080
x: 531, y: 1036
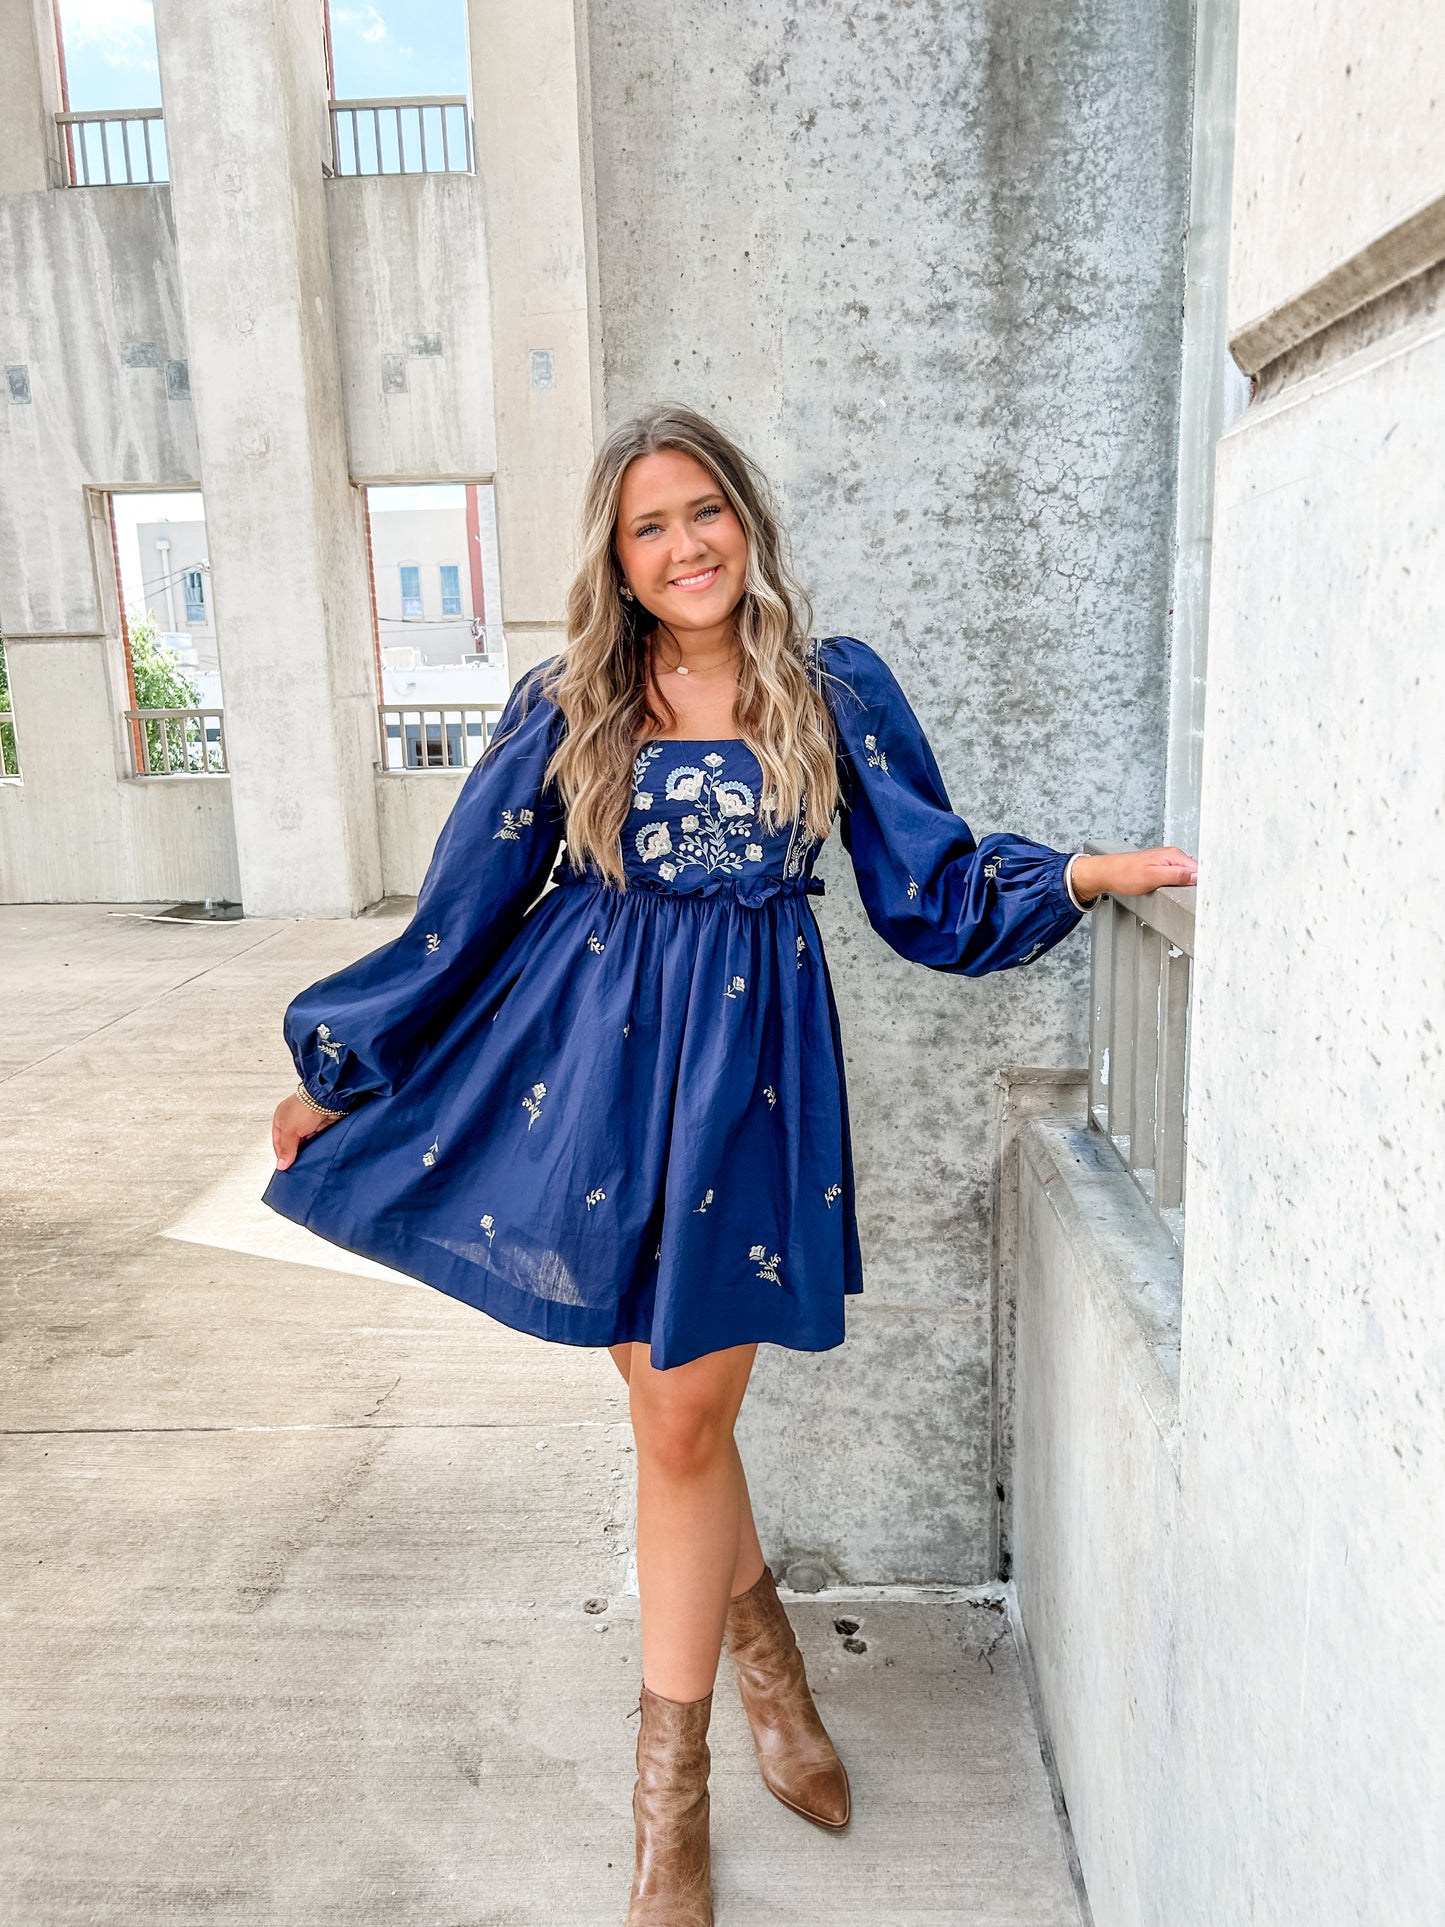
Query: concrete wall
x: 75, y: 829
x: 413, y: 325
x: 411, y: 809
x: 1267, y: 1744
x: 928, y: 266
x: 92, y: 308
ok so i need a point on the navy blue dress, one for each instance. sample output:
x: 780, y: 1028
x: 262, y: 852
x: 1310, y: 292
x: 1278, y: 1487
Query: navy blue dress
x: 602, y: 1114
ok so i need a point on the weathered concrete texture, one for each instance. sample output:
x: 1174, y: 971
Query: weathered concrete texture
x: 1096, y: 1506
x: 927, y: 263
x: 1339, y: 190
x: 285, y: 529
x: 409, y: 266
x: 299, y: 1564
x: 1314, y: 1337
x: 89, y: 286
x: 76, y: 828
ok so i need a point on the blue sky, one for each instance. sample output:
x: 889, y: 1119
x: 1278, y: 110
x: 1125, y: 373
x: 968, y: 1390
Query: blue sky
x: 400, y: 47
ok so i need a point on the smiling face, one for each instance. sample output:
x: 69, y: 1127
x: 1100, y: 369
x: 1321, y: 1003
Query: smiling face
x: 683, y: 551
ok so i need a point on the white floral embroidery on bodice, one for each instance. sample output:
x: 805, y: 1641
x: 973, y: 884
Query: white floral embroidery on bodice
x: 695, y: 817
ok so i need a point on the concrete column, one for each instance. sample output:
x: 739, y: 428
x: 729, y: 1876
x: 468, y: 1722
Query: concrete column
x: 529, y: 92
x: 244, y: 91
x: 29, y: 98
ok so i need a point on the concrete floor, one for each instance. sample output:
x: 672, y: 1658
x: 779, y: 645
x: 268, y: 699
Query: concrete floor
x: 318, y: 1604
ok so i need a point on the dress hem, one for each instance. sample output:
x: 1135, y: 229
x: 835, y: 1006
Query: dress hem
x: 528, y: 1315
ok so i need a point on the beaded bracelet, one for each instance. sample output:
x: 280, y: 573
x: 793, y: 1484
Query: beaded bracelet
x: 310, y: 1102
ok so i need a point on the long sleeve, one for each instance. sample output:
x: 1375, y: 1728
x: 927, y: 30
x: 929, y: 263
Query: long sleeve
x: 931, y: 891
x: 358, y: 1033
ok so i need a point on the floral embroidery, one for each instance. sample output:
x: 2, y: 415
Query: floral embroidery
x: 802, y: 948
x: 626, y: 1027
x: 736, y: 987
x: 433, y: 938
x: 684, y: 784
x: 513, y: 823
x: 532, y: 1103
x: 799, y: 842
x: 991, y: 869
x: 767, y: 1266
x: 832, y: 1194
x: 328, y: 1044
x: 719, y: 837
x: 653, y: 839
x: 489, y: 1226
x: 706, y: 1201
x: 1032, y: 954
x: 877, y: 758
x: 770, y: 1094
x: 595, y: 944
x: 595, y: 1197
x: 639, y: 771
x: 429, y: 1158
x: 912, y: 888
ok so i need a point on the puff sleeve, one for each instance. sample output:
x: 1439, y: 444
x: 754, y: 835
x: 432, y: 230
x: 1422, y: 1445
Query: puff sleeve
x: 357, y: 1034
x: 932, y: 892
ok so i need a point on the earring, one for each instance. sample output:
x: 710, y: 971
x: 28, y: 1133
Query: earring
x: 626, y: 593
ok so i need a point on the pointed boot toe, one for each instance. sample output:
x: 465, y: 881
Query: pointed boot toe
x: 672, y: 1884
x: 799, y: 1763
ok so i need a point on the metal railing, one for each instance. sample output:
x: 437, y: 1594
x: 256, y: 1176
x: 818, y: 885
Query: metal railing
x: 122, y: 149
x: 425, y: 134
x: 1143, y: 960
x: 177, y: 742
x: 435, y: 735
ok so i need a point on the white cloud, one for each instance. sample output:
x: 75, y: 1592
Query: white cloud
x: 367, y: 24
x: 123, y: 30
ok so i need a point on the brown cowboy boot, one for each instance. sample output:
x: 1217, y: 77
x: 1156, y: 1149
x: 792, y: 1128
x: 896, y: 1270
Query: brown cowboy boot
x: 673, y: 1883
x: 799, y: 1763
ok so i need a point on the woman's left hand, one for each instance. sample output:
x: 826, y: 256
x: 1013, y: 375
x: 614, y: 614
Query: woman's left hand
x: 1133, y: 873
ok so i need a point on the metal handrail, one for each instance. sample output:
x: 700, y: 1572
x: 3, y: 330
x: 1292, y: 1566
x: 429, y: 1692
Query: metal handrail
x: 79, y: 175
x: 434, y: 735
x: 352, y: 156
x: 178, y: 740
x: 1142, y: 972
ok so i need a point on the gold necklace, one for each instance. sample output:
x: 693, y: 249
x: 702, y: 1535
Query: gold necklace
x: 681, y: 668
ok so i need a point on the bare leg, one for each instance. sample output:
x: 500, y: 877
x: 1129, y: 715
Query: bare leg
x: 689, y: 1508
x: 749, y: 1567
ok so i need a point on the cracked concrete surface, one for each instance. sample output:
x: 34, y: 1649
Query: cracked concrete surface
x: 317, y: 1582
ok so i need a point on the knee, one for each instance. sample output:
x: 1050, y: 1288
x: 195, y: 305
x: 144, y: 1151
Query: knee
x: 681, y: 1438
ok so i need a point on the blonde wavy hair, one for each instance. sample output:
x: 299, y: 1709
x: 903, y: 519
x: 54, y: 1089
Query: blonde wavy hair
x: 601, y: 679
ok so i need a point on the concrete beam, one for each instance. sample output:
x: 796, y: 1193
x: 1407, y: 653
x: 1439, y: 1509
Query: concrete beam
x: 30, y: 98
x: 246, y: 123
x: 530, y: 94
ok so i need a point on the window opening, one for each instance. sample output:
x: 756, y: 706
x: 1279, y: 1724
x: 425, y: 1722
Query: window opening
x: 173, y: 668
x: 441, y: 663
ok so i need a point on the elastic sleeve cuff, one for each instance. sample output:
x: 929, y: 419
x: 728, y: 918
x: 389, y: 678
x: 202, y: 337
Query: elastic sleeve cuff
x: 1080, y: 905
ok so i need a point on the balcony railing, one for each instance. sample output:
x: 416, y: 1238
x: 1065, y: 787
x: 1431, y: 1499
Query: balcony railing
x: 436, y: 736
x: 1143, y: 959
x: 426, y: 134
x: 122, y: 149
x: 177, y: 742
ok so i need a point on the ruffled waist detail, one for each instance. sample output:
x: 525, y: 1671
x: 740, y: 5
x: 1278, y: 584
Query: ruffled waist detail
x: 750, y: 891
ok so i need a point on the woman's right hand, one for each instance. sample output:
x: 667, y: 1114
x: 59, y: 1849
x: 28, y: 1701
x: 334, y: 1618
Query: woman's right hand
x: 293, y: 1123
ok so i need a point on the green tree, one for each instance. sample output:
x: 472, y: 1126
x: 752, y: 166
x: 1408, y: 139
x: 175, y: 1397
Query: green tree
x: 9, y: 761
x: 162, y: 683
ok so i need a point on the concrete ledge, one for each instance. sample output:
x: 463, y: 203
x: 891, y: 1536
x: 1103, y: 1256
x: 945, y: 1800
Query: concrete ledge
x: 1096, y: 1498
x: 1127, y: 1262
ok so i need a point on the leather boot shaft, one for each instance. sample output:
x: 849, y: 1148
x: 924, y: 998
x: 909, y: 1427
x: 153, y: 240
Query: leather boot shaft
x: 799, y: 1763
x: 672, y: 1885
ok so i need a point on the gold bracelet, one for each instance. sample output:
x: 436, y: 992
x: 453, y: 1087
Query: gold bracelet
x: 310, y: 1102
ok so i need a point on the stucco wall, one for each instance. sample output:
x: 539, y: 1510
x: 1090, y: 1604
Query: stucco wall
x: 927, y: 264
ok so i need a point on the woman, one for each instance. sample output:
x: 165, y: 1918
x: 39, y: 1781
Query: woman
x: 614, y: 1113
